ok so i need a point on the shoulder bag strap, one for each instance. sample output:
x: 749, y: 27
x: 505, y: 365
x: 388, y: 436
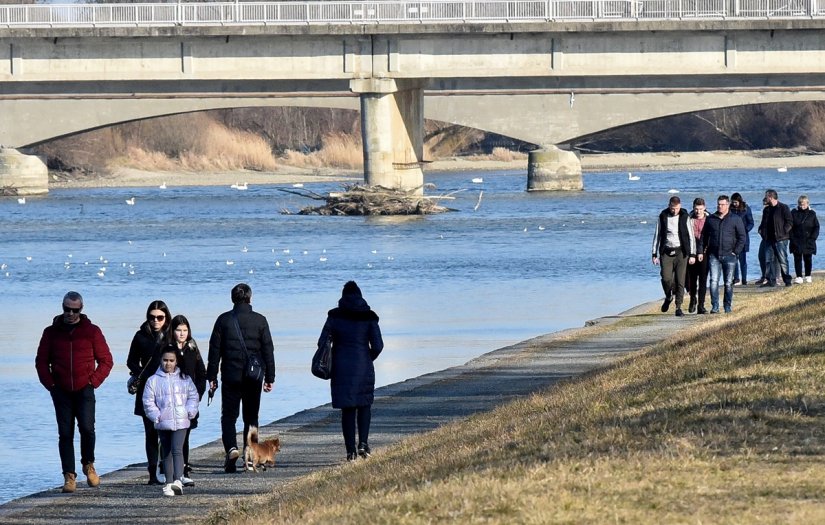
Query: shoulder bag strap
x: 240, y: 334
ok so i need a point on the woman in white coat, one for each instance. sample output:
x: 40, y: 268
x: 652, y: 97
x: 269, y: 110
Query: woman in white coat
x: 170, y: 401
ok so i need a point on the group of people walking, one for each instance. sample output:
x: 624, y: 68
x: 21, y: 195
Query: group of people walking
x: 169, y: 378
x: 691, y: 246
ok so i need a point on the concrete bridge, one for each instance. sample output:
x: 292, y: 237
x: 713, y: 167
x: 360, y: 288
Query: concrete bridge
x: 544, y: 72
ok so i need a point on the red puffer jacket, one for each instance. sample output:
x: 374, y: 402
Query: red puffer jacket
x: 73, y: 357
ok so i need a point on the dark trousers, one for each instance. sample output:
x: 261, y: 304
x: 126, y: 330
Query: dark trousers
x: 742, y: 268
x: 233, y: 395
x: 70, y: 407
x: 172, y: 443
x: 697, y: 280
x: 764, y: 246
x: 150, y: 442
x: 348, y: 420
x: 798, y: 259
x: 674, y: 269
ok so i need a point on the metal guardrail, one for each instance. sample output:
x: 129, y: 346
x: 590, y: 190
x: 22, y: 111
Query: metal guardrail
x: 389, y: 11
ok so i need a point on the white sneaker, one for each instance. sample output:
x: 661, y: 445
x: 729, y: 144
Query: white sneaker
x: 167, y: 490
x: 808, y: 279
x: 798, y: 280
x: 161, y: 475
x: 187, y: 482
x: 177, y: 487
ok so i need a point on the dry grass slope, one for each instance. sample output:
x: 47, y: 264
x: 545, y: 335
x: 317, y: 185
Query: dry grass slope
x: 722, y: 425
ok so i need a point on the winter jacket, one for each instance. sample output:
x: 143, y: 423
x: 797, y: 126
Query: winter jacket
x: 687, y: 242
x: 356, y: 343
x: 778, y: 220
x: 804, y: 232
x: 192, y: 366
x: 747, y: 220
x: 723, y: 235
x: 170, y: 400
x: 225, y: 346
x: 72, y: 356
x: 144, y: 359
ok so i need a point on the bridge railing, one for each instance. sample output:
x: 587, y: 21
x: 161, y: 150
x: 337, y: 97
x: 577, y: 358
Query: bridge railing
x: 389, y: 11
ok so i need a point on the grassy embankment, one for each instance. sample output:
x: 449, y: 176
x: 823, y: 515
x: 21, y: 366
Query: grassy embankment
x: 722, y: 424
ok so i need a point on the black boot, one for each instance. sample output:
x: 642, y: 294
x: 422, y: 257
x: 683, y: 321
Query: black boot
x: 692, y: 305
x: 153, y: 476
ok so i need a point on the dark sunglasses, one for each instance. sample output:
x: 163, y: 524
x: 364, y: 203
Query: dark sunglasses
x: 67, y: 310
x: 156, y: 317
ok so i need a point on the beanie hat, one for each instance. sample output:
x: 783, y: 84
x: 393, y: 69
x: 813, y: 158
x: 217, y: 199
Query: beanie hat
x: 351, y: 289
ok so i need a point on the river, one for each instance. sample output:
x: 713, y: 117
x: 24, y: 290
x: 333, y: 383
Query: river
x: 448, y: 287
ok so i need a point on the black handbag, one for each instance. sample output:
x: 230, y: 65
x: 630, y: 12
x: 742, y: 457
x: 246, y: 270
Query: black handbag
x: 254, y: 368
x: 322, y: 360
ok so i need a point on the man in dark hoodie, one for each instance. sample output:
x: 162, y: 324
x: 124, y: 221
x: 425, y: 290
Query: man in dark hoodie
x: 356, y: 343
x: 72, y: 360
x: 237, y: 334
x: 775, y: 228
x: 674, y: 247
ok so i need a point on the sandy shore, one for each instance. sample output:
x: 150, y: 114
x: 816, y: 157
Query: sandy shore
x: 128, y: 177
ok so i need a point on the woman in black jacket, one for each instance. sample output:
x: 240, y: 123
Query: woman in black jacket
x: 191, y: 365
x: 804, y: 233
x: 356, y: 343
x: 143, y: 361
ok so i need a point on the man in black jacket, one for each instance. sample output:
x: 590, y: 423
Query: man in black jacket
x: 674, y: 247
x: 723, y: 239
x: 237, y: 334
x: 775, y: 228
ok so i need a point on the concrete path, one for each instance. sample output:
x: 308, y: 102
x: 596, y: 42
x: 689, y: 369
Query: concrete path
x: 312, y: 440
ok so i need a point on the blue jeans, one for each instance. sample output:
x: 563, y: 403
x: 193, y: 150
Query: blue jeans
x: 70, y: 407
x: 742, y: 268
x: 722, y: 266
x: 777, y: 259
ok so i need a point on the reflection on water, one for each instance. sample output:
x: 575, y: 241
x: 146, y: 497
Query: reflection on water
x: 448, y: 287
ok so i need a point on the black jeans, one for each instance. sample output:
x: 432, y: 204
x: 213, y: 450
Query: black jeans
x: 68, y: 407
x: 348, y: 417
x: 697, y: 280
x: 798, y: 259
x: 233, y: 395
x: 150, y: 441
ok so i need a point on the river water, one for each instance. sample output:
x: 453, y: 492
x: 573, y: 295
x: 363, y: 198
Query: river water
x: 447, y: 287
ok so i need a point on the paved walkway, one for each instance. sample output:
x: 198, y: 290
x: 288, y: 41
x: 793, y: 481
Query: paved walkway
x: 311, y: 440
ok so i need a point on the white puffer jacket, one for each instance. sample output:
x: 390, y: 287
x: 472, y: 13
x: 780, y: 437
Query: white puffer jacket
x: 169, y: 400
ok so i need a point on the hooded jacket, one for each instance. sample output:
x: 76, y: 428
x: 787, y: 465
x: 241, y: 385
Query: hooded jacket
x: 170, y: 400
x: 72, y: 356
x: 356, y: 343
x: 804, y: 232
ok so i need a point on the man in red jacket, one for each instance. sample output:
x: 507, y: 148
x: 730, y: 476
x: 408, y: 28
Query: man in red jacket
x: 72, y: 360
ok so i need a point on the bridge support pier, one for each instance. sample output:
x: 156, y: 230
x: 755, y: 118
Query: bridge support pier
x: 552, y: 169
x: 23, y: 174
x: 392, y: 131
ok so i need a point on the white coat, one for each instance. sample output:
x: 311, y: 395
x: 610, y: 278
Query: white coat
x: 169, y: 400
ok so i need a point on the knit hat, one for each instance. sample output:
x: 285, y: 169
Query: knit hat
x: 351, y: 289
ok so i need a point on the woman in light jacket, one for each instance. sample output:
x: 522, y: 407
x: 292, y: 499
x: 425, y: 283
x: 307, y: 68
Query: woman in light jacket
x: 170, y: 401
x: 356, y: 343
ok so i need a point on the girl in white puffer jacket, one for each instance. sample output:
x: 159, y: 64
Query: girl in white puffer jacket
x: 170, y: 400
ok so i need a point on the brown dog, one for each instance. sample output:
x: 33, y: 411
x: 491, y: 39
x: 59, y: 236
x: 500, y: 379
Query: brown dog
x: 262, y: 453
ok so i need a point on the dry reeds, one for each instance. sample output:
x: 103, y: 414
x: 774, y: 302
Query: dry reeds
x: 720, y: 424
x: 338, y: 150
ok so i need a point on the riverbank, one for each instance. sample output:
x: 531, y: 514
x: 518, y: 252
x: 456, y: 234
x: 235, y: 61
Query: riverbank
x: 608, y: 162
x: 312, y: 444
x: 311, y: 439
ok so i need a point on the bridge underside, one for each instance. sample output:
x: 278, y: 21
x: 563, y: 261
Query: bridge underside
x: 535, y: 110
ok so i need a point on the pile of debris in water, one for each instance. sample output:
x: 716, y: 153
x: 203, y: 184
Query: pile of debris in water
x: 8, y: 191
x: 372, y: 200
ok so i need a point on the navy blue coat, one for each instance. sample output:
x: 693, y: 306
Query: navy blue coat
x: 356, y: 343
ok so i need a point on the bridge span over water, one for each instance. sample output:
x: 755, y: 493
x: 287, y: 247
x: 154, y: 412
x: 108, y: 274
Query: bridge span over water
x: 542, y: 71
